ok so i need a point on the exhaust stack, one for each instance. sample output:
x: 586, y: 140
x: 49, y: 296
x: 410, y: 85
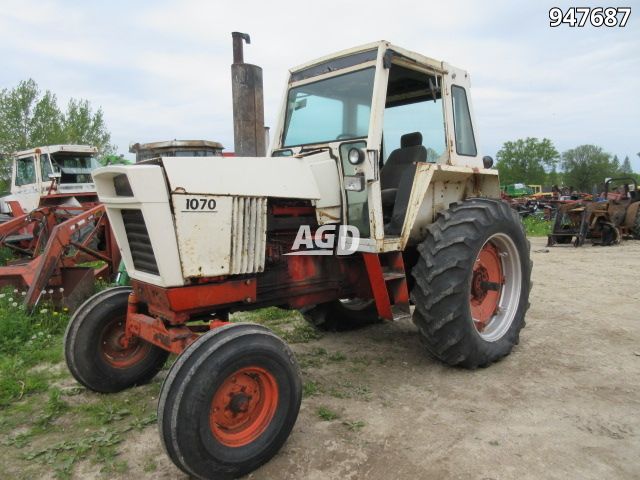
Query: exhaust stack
x: 248, y: 102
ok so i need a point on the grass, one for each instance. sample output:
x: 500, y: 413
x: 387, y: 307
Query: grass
x: 326, y: 414
x: 536, y: 227
x: 49, y: 424
x: 287, y: 324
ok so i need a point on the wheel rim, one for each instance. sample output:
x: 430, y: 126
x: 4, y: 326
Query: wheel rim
x: 243, y: 406
x: 496, y: 284
x: 113, y: 350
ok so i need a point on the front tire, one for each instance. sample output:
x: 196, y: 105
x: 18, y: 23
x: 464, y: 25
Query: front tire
x: 472, y: 283
x: 93, y: 350
x: 229, y: 402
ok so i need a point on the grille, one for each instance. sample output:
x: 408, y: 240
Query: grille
x: 139, y: 243
x: 248, y: 234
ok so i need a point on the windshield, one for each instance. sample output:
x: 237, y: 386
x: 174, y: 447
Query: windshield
x: 337, y: 108
x: 74, y: 167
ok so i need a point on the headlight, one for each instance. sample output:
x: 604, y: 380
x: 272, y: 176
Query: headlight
x: 355, y: 156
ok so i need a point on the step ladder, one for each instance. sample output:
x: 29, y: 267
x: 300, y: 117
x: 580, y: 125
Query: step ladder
x: 388, y: 281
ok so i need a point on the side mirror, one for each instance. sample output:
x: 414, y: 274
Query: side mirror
x: 487, y: 161
x: 55, y: 176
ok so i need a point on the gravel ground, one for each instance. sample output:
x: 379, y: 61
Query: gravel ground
x: 563, y: 405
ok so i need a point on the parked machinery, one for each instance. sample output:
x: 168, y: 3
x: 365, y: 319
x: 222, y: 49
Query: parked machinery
x: 55, y: 227
x: 605, y: 222
x: 375, y: 146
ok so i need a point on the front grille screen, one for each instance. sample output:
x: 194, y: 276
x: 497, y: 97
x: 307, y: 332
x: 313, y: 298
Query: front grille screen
x: 139, y: 243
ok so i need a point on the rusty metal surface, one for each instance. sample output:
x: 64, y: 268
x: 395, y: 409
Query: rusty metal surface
x: 53, y: 241
x: 248, y: 103
x: 195, y: 144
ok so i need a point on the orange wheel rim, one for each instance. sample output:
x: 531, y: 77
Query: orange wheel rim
x: 243, y: 406
x: 113, y: 349
x: 486, y: 286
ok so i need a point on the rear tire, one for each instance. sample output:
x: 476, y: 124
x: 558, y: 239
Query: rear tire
x: 343, y: 315
x: 635, y: 229
x: 93, y: 354
x: 472, y: 283
x: 229, y: 402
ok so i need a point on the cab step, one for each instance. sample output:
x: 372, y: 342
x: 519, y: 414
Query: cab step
x: 388, y: 281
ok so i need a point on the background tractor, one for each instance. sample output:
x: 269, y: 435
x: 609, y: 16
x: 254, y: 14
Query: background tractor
x: 53, y: 225
x: 605, y: 221
x: 374, y: 139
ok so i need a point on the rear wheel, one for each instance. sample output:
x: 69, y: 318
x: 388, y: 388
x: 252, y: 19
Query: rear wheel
x: 472, y: 283
x: 94, y: 349
x: 635, y: 228
x: 343, y: 314
x: 229, y: 402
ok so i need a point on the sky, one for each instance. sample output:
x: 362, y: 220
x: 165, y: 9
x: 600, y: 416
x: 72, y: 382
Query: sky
x: 161, y: 69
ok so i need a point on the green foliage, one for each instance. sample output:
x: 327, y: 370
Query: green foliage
x: 354, y: 426
x: 113, y: 160
x: 586, y: 167
x: 326, y: 414
x: 287, y: 324
x: 536, y: 226
x: 626, y: 169
x: 524, y: 160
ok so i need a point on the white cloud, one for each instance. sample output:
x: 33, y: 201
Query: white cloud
x: 161, y: 69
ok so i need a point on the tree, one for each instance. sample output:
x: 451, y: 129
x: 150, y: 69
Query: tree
x: 615, y: 165
x: 626, y: 169
x: 26, y: 117
x: 112, y: 159
x: 82, y: 126
x: 586, y: 167
x: 524, y: 160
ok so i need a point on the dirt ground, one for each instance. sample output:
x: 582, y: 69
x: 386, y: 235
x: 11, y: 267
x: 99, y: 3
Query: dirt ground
x: 563, y: 405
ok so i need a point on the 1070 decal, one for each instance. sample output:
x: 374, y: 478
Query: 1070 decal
x: 199, y: 205
x: 596, y: 16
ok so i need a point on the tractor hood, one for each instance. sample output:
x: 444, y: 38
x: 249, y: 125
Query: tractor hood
x: 180, y: 218
x: 286, y: 177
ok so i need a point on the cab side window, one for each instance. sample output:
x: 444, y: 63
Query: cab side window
x: 414, y: 105
x: 45, y: 167
x: 465, y: 142
x: 25, y: 171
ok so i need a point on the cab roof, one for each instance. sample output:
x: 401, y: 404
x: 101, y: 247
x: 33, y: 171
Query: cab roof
x: 57, y: 148
x: 374, y: 46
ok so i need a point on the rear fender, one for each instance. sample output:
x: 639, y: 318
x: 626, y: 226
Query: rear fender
x: 436, y: 187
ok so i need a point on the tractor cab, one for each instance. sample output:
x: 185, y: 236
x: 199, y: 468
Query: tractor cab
x: 384, y: 118
x: 59, y: 171
x: 176, y: 148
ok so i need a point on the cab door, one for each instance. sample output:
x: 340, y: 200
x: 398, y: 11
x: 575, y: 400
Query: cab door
x: 45, y: 170
x: 26, y: 185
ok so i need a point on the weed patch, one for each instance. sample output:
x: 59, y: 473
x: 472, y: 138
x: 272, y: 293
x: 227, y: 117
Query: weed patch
x: 326, y: 414
x: 536, y: 226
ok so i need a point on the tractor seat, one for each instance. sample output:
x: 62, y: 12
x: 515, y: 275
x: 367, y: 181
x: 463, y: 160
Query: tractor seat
x: 411, y: 151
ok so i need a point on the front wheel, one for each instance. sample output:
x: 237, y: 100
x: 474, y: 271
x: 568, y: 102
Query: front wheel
x: 229, y: 402
x: 472, y: 283
x: 94, y: 349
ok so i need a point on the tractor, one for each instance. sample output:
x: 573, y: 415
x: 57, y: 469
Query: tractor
x: 55, y: 227
x: 614, y: 215
x: 373, y: 203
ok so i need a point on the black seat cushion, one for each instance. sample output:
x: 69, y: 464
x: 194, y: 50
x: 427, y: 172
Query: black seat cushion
x: 401, y: 204
x: 410, y: 152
